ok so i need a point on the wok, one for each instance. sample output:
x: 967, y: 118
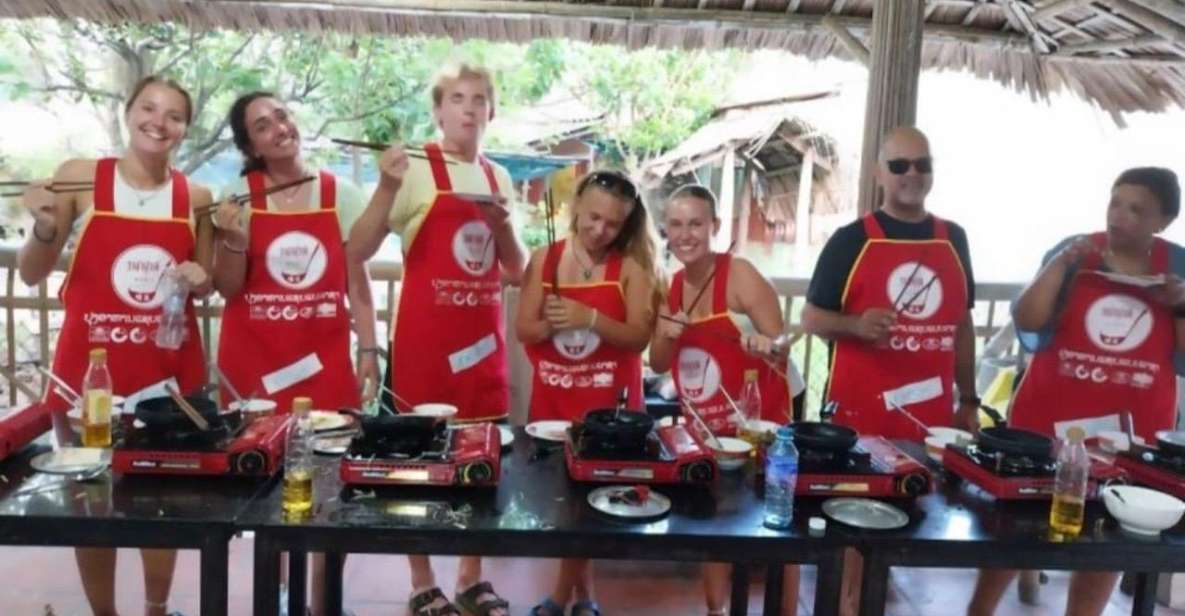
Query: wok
x: 821, y: 436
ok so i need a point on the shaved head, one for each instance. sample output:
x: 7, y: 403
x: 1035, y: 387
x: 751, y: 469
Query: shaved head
x: 904, y: 171
x: 904, y: 142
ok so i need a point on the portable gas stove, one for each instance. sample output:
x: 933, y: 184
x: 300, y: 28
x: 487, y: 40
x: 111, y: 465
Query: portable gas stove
x: 873, y: 467
x: 1154, y: 468
x: 469, y: 455
x: 1015, y: 477
x: 670, y: 454
x: 231, y: 448
x: 19, y: 428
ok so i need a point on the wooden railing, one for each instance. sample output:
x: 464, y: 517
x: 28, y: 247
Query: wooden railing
x: 32, y: 317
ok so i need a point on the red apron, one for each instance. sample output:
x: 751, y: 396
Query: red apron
x: 915, y: 365
x: 111, y: 294
x: 574, y: 372
x: 710, y: 345
x: 1112, y: 351
x: 450, y: 337
x: 287, y: 333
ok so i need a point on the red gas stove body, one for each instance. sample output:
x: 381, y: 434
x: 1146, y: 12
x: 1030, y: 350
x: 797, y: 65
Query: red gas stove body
x: 673, y: 454
x: 468, y: 455
x: 1155, y: 469
x: 257, y: 450
x: 968, y: 462
x: 19, y: 428
x: 874, y: 467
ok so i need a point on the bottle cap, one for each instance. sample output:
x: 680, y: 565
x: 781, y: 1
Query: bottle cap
x: 98, y: 354
x: 301, y: 405
x: 785, y: 432
x: 1076, y: 434
x: 817, y: 526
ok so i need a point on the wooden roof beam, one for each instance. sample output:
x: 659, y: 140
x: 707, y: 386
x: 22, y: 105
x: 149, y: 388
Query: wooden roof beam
x: 1057, y: 7
x: 1112, y: 45
x: 1150, y: 19
x: 1171, y: 9
x: 849, y: 41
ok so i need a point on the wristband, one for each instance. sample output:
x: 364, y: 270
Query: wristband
x: 968, y: 399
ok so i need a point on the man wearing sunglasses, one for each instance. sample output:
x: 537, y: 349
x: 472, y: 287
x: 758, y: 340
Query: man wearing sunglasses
x: 893, y: 293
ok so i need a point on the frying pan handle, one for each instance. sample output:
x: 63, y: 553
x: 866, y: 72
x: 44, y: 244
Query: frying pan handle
x: 997, y: 418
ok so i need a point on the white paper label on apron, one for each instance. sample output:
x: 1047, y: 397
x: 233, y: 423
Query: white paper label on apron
x: 1090, y: 425
x: 156, y: 390
x: 913, y: 393
x: 292, y: 374
x: 471, y: 355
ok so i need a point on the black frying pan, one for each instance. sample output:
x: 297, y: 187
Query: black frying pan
x: 163, y: 414
x: 1171, y: 442
x: 1013, y: 441
x: 820, y: 436
x: 623, y: 429
x: 385, y: 424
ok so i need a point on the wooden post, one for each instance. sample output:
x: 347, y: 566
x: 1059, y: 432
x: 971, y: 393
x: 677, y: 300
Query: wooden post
x: 802, y: 212
x: 746, y: 210
x: 728, y: 176
x: 892, y: 83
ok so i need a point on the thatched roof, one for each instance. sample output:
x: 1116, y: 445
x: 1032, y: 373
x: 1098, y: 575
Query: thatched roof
x: 1124, y: 55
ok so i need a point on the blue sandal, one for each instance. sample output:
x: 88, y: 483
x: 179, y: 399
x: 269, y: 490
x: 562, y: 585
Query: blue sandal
x: 585, y: 608
x: 547, y: 607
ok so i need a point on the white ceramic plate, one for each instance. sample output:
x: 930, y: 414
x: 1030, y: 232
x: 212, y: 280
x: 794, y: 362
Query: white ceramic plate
x: 71, y: 460
x: 435, y: 409
x: 865, y: 513
x: 615, y: 501
x: 507, y: 435
x: 328, y: 420
x: 554, y: 430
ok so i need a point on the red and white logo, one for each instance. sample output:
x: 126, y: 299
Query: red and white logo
x: 576, y: 344
x: 137, y: 273
x: 1117, y: 322
x: 699, y: 374
x: 915, y: 290
x: 473, y: 247
x: 296, y: 260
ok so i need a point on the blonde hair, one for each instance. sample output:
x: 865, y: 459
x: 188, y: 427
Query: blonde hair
x: 637, y: 238
x: 456, y: 71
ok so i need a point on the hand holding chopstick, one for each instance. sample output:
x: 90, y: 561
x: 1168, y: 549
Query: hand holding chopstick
x: 53, y: 187
x: 410, y: 151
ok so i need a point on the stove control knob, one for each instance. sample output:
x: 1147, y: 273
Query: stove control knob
x: 250, y: 463
x: 914, y: 485
x: 697, y: 472
x: 478, y: 472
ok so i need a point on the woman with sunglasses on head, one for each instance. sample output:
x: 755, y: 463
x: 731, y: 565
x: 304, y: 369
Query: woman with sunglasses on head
x: 716, y: 342
x: 587, y: 309
x: 129, y: 221
x: 1104, y: 346
x: 281, y: 264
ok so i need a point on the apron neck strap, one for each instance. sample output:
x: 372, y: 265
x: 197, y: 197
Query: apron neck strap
x: 256, y: 185
x: 328, y: 190
x: 941, y: 231
x: 872, y: 228
x: 439, y: 167
x: 720, y: 283
x: 180, y: 195
x: 675, y: 297
x: 551, y: 261
x: 105, y: 185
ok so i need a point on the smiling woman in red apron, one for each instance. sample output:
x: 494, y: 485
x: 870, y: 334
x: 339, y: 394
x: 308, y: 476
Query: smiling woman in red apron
x: 281, y: 264
x: 709, y: 353
x: 126, y: 233
x: 449, y: 205
x: 1109, y: 344
x: 585, y: 315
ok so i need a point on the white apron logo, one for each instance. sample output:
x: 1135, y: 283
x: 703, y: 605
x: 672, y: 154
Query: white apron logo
x: 699, y: 374
x: 915, y: 290
x: 576, y: 344
x: 1118, y: 323
x: 296, y: 260
x: 473, y: 247
x: 137, y: 273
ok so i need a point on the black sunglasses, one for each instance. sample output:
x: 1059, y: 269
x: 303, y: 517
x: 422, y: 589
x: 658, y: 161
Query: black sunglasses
x: 900, y: 166
x: 613, y: 182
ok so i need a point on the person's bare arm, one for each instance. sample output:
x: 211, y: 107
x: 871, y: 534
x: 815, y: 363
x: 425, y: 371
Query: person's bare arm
x: 529, y: 323
x: 53, y: 216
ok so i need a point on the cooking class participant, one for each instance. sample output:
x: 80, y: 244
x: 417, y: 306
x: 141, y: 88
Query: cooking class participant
x: 585, y: 315
x: 709, y: 345
x: 451, y: 213
x: 133, y: 227
x: 1106, y: 347
x: 282, y: 267
x: 893, y: 294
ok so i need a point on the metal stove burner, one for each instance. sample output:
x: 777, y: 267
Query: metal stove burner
x: 854, y: 460
x: 394, y: 448
x: 592, y: 448
x: 1155, y: 457
x: 1011, y: 465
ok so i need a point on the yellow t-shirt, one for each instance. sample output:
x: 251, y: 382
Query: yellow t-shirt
x: 350, y: 200
x: 418, y: 191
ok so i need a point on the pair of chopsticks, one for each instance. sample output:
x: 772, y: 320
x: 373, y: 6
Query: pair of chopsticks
x: 410, y: 151
x: 189, y: 411
x: 549, y: 213
x: 699, y: 420
x: 246, y: 197
x: 61, y: 388
x: 899, y: 308
x: 707, y: 283
x: 55, y: 187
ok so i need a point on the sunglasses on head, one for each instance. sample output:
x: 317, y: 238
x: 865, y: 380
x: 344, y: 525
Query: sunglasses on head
x: 614, y: 183
x: 900, y: 166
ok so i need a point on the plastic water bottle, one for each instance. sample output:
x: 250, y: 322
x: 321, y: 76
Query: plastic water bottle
x: 781, y: 475
x: 1069, y: 487
x: 297, y: 501
x: 171, y: 332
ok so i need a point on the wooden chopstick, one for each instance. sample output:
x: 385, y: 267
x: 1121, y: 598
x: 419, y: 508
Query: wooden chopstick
x: 189, y: 411
x: 56, y: 187
x: 58, y: 183
x: 410, y: 151
x: 707, y: 283
x: 245, y: 197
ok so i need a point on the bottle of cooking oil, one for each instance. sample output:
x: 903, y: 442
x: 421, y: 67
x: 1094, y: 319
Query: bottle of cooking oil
x: 298, y: 462
x: 1069, y: 491
x: 96, y: 401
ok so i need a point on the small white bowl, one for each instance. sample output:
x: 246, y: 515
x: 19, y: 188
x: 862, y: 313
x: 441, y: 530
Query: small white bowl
x: 1143, y: 511
x: 435, y: 409
x: 255, y: 406
x: 732, y: 453
x: 935, y: 446
x: 953, y: 436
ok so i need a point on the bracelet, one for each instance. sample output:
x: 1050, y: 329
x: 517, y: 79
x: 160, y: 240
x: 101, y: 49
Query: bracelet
x: 50, y: 240
x: 229, y: 248
x: 970, y: 400
x: 592, y: 323
x: 373, y: 349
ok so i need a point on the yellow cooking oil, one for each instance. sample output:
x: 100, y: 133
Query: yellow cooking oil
x: 96, y: 418
x: 298, y: 492
x: 1065, y: 516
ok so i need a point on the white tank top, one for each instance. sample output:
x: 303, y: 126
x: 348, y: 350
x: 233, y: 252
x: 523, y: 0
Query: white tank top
x: 153, y: 203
